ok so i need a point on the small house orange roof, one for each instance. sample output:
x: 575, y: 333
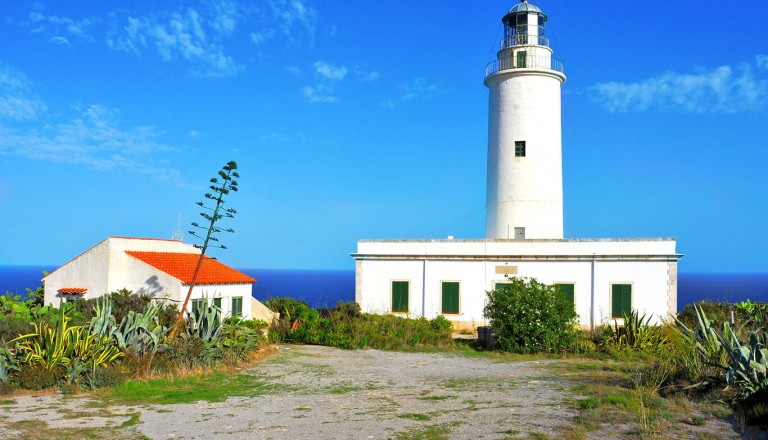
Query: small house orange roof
x: 72, y: 290
x: 182, y: 267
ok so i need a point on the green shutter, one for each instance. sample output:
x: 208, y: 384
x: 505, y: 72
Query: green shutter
x: 450, y: 297
x: 217, y: 302
x: 237, y: 306
x: 521, y: 58
x: 400, y: 296
x: 567, y: 291
x: 621, y: 299
x: 197, y: 305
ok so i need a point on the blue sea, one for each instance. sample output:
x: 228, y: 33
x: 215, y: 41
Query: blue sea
x: 324, y: 288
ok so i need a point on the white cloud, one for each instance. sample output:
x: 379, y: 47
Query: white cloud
x: 58, y: 40
x: 724, y: 89
x: 184, y: 34
x: 417, y: 88
x: 319, y: 94
x: 413, y: 89
x: 93, y: 138
x: 258, y: 38
x: 56, y: 27
x: 17, y: 102
x: 293, y: 70
x: 329, y: 71
x: 762, y: 61
x: 365, y: 76
x: 295, y: 19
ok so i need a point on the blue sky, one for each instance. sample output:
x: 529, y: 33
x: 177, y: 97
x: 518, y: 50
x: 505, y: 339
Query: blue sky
x: 368, y: 119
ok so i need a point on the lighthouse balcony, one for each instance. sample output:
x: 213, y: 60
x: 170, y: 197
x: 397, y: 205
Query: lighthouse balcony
x: 523, y: 40
x: 523, y: 62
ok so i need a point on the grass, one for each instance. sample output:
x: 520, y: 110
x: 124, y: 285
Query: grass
x: 609, y: 396
x: 431, y: 432
x: 436, y: 398
x: 414, y: 416
x: 209, y: 387
x: 33, y: 429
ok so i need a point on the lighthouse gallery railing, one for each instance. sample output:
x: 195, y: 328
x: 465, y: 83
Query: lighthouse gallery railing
x: 527, y: 62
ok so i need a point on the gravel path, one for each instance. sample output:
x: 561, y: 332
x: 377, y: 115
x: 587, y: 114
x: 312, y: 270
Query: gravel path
x: 375, y: 394
x: 320, y: 392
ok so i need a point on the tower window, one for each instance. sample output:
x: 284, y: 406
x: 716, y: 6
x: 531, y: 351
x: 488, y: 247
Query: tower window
x: 519, y: 148
x: 522, y: 57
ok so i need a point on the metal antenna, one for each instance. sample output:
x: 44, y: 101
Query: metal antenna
x: 178, y: 236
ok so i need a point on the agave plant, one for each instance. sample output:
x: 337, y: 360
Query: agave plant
x: 8, y: 363
x: 206, y: 324
x: 747, y: 362
x: 140, y: 332
x: 637, y: 333
x: 705, y: 340
x: 62, y: 345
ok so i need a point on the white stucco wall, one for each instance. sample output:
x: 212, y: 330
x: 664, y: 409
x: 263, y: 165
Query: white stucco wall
x: 479, y: 264
x: 106, y: 268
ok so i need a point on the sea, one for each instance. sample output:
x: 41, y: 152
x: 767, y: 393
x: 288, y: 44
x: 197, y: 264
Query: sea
x: 325, y: 288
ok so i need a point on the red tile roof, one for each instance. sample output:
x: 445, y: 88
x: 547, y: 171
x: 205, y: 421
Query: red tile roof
x: 182, y: 267
x: 72, y: 290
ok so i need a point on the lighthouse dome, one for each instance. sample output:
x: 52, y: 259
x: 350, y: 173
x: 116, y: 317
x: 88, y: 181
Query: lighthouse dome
x: 526, y: 8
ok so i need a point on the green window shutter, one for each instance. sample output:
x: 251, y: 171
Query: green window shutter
x: 197, y: 304
x: 217, y: 302
x: 450, y: 297
x: 237, y: 306
x: 400, y: 296
x: 621, y: 300
x: 521, y: 58
x: 567, y: 291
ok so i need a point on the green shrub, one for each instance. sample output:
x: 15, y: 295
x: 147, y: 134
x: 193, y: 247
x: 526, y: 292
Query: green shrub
x: 108, y: 376
x: 530, y: 317
x: 11, y: 327
x: 35, y: 377
x: 7, y: 388
x: 344, y: 326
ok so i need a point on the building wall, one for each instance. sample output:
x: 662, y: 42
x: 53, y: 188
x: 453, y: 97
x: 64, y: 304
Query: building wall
x: 426, y: 264
x: 88, y: 270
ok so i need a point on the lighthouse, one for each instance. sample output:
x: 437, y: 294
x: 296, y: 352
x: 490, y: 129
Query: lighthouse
x: 524, y: 196
x: 604, y: 278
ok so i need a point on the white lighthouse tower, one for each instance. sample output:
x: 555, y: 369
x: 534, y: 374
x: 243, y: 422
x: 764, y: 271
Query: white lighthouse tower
x: 525, y: 181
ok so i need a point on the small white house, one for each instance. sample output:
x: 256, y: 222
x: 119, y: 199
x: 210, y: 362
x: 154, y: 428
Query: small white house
x: 162, y: 269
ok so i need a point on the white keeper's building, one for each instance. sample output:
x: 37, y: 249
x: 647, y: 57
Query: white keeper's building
x: 161, y: 269
x: 605, y: 278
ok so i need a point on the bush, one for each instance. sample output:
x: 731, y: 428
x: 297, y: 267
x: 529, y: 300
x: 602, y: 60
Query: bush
x: 530, y: 317
x: 108, y: 376
x: 35, y: 377
x: 344, y: 326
